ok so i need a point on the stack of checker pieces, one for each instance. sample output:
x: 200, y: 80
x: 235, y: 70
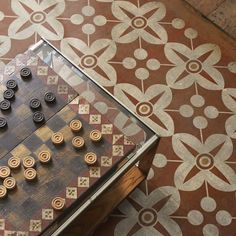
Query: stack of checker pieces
x: 48, y: 165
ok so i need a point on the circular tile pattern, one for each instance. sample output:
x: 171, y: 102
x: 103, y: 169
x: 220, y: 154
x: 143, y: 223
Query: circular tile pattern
x: 140, y: 54
x: 208, y: 204
x: 160, y: 160
x: 200, y: 122
x: 211, y: 112
x: 129, y: 63
x: 88, y: 29
x: 153, y: 64
x: 224, y: 218
x: 232, y: 67
x: 205, y: 161
x: 178, y: 23
x: 142, y: 73
x: 99, y: 20
x: 144, y: 109
x: 190, y: 33
x: 147, y: 217
x: 77, y: 19
x: 210, y: 230
x: 186, y: 110
x: 197, y: 100
x: 195, y: 217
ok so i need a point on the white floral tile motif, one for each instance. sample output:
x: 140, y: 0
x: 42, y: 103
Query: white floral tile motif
x: 204, y: 162
x: 146, y: 219
x: 150, y: 103
x: 190, y: 68
x: 139, y: 22
x: 93, y: 57
x: 34, y: 17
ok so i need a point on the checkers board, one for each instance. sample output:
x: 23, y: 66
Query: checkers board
x: 27, y: 209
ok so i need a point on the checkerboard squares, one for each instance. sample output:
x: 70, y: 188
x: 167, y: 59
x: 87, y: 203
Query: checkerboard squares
x: 107, y: 129
x: 83, y: 182
x: 21, y: 151
x: 67, y: 133
x: 35, y: 226
x: 67, y: 114
x: 118, y: 150
x: 62, y: 89
x: 9, y: 233
x: 23, y: 112
x: 95, y: 172
x: 116, y: 137
x: 52, y: 80
x: 21, y: 233
x: 47, y: 214
x: 71, y: 193
x: 43, y: 147
x: 75, y: 101
x: 84, y: 109
x: 44, y: 133
x: 2, y: 224
x: 42, y: 70
x: 8, y: 69
x: 33, y: 61
x: 95, y: 119
x: 127, y: 141
x: 106, y: 161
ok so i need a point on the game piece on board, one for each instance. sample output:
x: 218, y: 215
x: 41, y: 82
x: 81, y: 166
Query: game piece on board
x: 9, y: 183
x: 11, y: 84
x: 75, y: 125
x: 3, y: 122
x: 28, y: 162
x: 25, y: 73
x: 38, y: 117
x: 3, y: 191
x: 58, y: 203
x: 30, y: 174
x: 90, y: 158
x: 95, y: 135
x: 5, y: 105
x: 14, y: 162
x: 9, y: 94
x: 49, y: 97
x: 35, y: 103
x: 4, y: 172
x: 44, y: 156
x: 57, y: 138
x: 78, y: 142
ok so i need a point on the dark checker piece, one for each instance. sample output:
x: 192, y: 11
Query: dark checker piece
x: 11, y: 84
x: 3, y: 122
x: 35, y: 103
x: 25, y: 73
x: 49, y: 97
x: 8, y: 94
x: 5, y: 105
x: 38, y: 117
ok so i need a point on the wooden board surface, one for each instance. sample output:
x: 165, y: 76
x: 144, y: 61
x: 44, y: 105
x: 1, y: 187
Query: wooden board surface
x: 27, y: 209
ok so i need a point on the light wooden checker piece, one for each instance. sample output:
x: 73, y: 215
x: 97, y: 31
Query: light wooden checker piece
x: 9, y: 183
x: 14, y: 162
x: 57, y: 138
x: 90, y: 158
x: 58, y: 203
x: 76, y: 125
x: 4, y: 172
x: 44, y: 157
x: 30, y: 174
x: 95, y: 135
x: 28, y: 162
x: 78, y: 142
x: 3, y: 191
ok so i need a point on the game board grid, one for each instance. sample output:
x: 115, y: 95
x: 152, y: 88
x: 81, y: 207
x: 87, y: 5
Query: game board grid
x: 40, y: 140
